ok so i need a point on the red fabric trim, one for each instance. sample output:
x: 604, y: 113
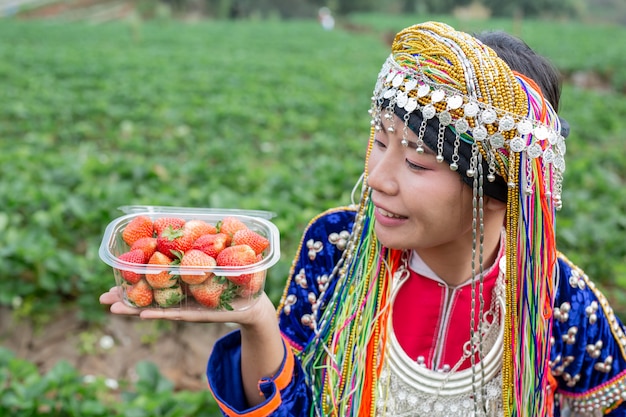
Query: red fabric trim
x: 431, y: 319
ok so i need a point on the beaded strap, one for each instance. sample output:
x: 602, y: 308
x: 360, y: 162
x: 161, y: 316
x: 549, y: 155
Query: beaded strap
x: 500, y: 117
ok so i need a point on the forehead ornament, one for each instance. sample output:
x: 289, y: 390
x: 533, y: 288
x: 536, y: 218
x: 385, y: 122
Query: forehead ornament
x: 494, y: 131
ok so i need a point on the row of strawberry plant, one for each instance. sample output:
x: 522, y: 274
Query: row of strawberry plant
x: 211, y: 115
x: 258, y: 115
x: 62, y: 391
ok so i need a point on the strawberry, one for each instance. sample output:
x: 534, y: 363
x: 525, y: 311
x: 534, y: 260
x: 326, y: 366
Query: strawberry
x: 169, y: 297
x: 174, y: 241
x: 251, y: 238
x: 211, y: 244
x: 139, y: 294
x: 163, y: 223
x: 162, y: 279
x: 196, y: 258
x: 229, y: 225
x: 197, y: 228
x: 253, y: 287
x: 147, y: 245
x: 138, y: 227
x: 135, y: 257
x: 238, y: 255
x: 215, y: 292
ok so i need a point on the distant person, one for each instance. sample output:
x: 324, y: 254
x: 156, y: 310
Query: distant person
x: 441, y: 292
x: 326, y: 18
x: 235, y: 11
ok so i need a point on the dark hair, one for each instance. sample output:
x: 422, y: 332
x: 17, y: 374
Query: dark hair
x: 521, y: 58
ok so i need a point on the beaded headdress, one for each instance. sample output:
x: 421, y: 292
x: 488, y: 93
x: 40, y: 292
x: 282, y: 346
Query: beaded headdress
x: 497, y: 123
x: 494, y: 127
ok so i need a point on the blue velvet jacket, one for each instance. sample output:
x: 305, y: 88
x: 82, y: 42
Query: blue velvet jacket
x: 588, y: 356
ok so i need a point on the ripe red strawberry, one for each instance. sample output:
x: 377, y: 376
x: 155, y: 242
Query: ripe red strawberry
x: 163, y: 223
x: 196, y: 258
x: 139, y: 294
x: 251, y: 238
x: 211, y: 244
x: 197, y: 228
x: 238, y: 255
x: 147, y: 245
x: 174, y: 241
x: 135, y: 257
x: 229, y: 225
x: 140, y: 226
x: 215, y: 292
x: 162, y: 279
x: 169, y: 297
x: 253, y: 287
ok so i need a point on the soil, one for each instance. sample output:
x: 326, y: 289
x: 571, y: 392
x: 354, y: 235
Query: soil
x: 112, y: 349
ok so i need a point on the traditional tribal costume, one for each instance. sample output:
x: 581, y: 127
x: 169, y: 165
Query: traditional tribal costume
x: 371, y: 331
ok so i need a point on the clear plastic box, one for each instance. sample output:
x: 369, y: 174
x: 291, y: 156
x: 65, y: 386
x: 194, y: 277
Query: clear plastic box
x: 192, y: 286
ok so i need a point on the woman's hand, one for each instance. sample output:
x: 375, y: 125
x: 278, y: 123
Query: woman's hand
x: 262, y: 349
x: 258, y: 313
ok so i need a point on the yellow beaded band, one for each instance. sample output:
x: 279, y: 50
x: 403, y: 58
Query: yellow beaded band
x: 495, y: 117
x: 489, y: 122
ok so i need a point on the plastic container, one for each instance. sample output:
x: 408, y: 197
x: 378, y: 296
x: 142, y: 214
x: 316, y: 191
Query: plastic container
x: 179, y: 283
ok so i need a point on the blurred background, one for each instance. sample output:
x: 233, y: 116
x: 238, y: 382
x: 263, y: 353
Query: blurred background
x: 233, y: 104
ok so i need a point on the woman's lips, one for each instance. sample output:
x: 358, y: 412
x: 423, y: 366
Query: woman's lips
x: 389, y: 214
x: 387, y: 218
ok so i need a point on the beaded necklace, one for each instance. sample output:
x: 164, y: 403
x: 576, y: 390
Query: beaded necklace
x: 501, y: 116
x: 343, y: 361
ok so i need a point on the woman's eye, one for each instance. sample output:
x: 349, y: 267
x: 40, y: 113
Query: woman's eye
x: 413, y: 166
x: 379, y: 144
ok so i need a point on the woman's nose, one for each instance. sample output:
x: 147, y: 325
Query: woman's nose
x: 382, y: 173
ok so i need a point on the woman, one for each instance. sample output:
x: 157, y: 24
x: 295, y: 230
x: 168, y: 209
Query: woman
x: 441, y: 292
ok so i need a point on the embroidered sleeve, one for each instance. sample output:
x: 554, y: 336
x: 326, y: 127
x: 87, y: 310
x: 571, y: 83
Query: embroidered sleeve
x: 309, y: 281
x: 285, y: 393
x: 588, y: 357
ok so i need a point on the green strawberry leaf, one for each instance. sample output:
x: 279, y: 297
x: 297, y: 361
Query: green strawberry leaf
x: 178, y: 256
x: 172, y: 234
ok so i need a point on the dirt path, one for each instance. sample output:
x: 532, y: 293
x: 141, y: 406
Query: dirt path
x: 112, y: 349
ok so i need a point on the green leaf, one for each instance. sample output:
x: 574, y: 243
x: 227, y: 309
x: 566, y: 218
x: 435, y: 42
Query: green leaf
x: 151, y: 380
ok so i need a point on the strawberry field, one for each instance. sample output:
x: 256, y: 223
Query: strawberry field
x: 255, y: 115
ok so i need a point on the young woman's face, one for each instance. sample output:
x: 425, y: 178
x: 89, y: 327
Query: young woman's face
x: 420, y: 204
